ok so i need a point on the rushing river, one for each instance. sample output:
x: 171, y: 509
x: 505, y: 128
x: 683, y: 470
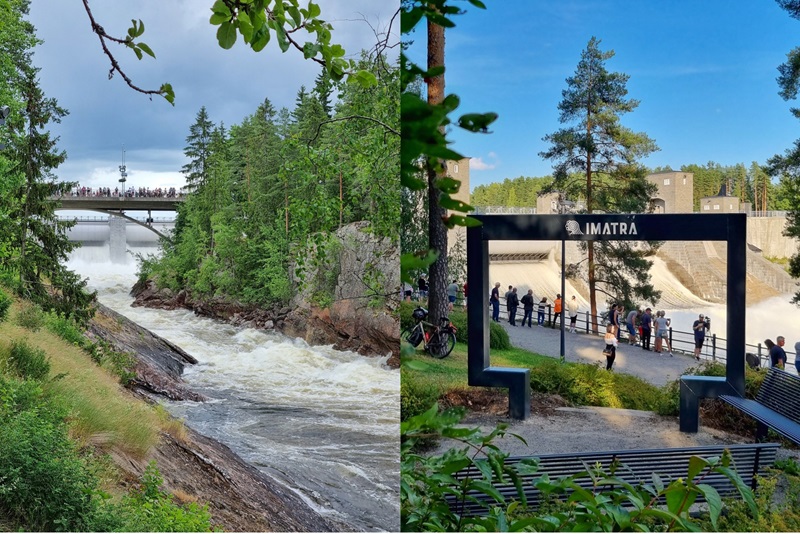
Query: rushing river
x: 322, y: 421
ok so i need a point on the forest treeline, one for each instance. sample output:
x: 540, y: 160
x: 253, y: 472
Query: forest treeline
x: 749, y: 184
x: 269, y: 189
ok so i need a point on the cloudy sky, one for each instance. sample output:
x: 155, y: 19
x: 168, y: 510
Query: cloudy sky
x: 703, y: 71
x: 106, y: 115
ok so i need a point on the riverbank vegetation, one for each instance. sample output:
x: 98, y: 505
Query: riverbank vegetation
x: 265, y: 192
x: 61, y: 416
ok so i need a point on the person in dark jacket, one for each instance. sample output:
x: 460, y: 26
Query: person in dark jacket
x: 512, y: 307
x: 527, y: 306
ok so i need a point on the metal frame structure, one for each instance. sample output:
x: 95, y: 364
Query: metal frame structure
x: 730, y: 228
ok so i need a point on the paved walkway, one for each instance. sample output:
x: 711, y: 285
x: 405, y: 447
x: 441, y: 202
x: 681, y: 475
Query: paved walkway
x: 658, y: 369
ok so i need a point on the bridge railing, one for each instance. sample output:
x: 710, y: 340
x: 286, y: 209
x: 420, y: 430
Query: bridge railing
x: 101, y: 218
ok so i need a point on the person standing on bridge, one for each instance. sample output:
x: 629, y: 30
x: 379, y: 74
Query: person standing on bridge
x: 508, y: 302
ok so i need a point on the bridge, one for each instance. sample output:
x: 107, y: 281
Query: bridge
x: 114, y: 207
x: 116, y: 204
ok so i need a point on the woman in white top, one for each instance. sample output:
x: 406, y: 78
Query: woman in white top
x: 611, y: 346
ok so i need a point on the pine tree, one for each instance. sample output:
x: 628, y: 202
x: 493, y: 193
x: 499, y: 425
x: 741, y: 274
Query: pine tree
x: 596, y: 159
x: 323, y: 89
x: 197, y: 150
x: 40, y: 245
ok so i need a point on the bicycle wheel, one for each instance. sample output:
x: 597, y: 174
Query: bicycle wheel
x: 448, y: 343
x: 439, y: 345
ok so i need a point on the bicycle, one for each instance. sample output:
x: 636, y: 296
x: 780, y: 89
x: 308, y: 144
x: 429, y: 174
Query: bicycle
x: 439, y: 340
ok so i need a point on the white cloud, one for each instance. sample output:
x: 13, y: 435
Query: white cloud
x: 477, y: 164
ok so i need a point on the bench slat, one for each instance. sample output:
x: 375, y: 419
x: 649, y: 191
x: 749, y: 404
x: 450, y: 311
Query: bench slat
x: 637, y: 466
x: 779, y: 423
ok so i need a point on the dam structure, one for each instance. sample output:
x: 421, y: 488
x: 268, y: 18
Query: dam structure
x: 119, y: 233
x: 689, y: 274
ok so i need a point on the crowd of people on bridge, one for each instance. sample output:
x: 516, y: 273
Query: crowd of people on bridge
x: 131, y: 192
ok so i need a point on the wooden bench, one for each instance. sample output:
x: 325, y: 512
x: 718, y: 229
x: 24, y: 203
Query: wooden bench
x: 777, y: 405
x: 637, y: 466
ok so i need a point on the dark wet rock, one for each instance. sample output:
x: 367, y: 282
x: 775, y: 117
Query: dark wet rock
x: 159, y: 362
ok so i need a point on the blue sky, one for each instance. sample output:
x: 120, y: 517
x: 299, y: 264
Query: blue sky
x: 703, y: 71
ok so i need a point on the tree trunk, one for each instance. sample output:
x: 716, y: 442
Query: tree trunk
x: 437, y: 232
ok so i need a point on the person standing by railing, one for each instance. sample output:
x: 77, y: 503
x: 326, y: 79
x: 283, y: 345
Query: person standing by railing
x: 494, y: 300
x: 542, y: 308
x: 647, y: 325
x: 699, y: 326
x: 527, y: 306
x: 777, y: 355
x: 572, y: 308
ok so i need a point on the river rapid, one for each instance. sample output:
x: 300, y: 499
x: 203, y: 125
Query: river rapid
x: 323, y: 422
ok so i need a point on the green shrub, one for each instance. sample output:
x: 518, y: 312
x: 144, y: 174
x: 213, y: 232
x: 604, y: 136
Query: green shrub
x: 44, y: 484
x: 416, y: 396
x: 5, y: 304
x: 586, y: 384
x: 150, y: 509
x: 30, y: 316
x: 28, y: 362
x: 64, y: 327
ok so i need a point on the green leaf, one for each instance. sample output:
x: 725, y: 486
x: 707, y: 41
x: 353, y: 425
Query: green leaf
x: 313, y: 10
x: 310, y: 50
x: 138, y: 52
x: 226, y: 35
x: 363, y: 78
x: 295, y: 14
x: 168, y: 93
x: 459, y: 220
x: 409, y: 19
x: 221, y: 8
x: 218, y: 18
x: 478, y: 3
x: 450, y: 203
x: 415, y: 365
x: 260, y: 38
x: 283, y: 41
x: 245, y: 26
x: 477, y: 122
x: 696, y: 465
x: 140, y: 31
x: 713, y: 500
x: 146, y: 49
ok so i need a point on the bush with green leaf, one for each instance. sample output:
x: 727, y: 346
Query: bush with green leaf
x: 148, y: 508
x: 30, y: 316
x: 44, y: 484
x: 5, y: 305
x: 27, y: 361
x: 611, y: 505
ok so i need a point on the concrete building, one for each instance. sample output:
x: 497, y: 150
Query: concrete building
x: 460, y: 171
x: 722, y: 202
x: 675, y: 192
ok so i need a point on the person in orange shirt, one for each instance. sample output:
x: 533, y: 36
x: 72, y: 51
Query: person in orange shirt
x: 557, y: 310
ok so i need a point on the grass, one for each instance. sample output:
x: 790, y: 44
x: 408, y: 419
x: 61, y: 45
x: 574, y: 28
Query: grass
x: 101, y: 410
x: 578, y: 383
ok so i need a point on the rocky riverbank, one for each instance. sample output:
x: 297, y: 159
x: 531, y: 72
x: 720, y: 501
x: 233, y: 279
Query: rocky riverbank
x: 343, y: 325
x: 240, y: 497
